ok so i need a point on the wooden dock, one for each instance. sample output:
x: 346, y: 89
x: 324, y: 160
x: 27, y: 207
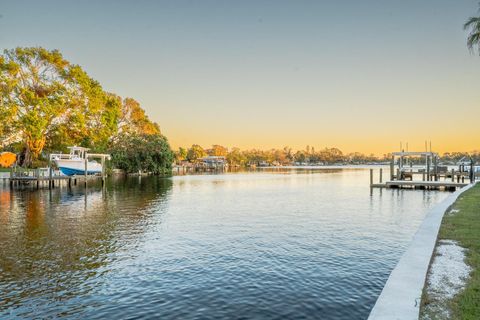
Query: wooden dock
x: 435, y: 185
x: 39, y: 178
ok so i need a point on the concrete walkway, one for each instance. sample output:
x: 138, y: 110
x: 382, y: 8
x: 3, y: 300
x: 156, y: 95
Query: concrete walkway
x: 401, y: 296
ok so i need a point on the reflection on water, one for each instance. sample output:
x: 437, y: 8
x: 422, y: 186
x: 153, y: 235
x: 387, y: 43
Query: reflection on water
x: 269, y: 244
x: 58, y: 245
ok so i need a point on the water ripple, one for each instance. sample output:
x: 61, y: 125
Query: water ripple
x: 303, y: 245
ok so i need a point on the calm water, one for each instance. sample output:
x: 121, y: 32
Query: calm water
x: 299, y: 244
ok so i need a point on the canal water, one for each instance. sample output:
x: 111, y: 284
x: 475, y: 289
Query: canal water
x: 271, y: 244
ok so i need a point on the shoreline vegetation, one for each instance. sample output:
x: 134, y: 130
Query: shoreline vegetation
x: 460, y: 225
x: 48, y: 104
x: 289, y: 157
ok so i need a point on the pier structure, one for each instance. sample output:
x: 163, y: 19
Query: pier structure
x: 422, y: 170
x: 43, y: 177
x: 205, y: 164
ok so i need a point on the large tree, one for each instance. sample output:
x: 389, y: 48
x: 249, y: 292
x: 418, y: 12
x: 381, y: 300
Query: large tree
x: 43, y: 95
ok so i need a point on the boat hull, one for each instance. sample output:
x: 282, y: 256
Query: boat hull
x: 77, y: 167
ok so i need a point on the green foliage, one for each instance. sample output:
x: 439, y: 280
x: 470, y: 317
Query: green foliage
x: 473, y: 39
x: 145, y: 153
x: 181, y: 154
x: 134, y: 120
x: 236, y: 158
x: 46, y: 98
x: 48, y: 103
x: 309, y: 156
x: 195, y: 152
x: 217, y: 150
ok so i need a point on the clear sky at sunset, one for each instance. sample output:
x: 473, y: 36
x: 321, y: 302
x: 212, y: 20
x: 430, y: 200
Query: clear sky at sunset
x: 358, y: 75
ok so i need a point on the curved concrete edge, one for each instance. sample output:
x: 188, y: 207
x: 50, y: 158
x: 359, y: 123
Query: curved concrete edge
x: 401, y: 296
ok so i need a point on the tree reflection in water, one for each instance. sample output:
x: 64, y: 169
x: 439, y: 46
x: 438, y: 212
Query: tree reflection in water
x: 58, y: 244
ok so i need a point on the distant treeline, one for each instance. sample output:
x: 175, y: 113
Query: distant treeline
x: 48, y: 104
x: 287, y: 156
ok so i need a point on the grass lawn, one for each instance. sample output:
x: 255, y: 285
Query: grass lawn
x: 464, y: 227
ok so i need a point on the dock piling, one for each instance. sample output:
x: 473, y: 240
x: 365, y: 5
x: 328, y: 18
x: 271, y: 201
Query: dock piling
x: 103, y: 171
x: 86, y: 172
x: 428, y: 169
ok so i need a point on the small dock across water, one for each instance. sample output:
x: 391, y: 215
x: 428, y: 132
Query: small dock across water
x: 435, y: 185
x: 410, y: 170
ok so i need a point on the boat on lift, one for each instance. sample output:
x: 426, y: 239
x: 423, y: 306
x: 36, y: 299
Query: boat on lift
x: 74, y: 163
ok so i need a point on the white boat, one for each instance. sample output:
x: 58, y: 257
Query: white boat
x: 74, y: 163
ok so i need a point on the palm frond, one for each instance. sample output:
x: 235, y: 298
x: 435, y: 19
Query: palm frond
x: 475, y: 21
x: 473, y: 39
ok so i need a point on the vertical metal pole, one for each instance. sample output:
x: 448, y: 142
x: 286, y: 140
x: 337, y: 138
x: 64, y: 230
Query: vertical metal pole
x: 381, y: 175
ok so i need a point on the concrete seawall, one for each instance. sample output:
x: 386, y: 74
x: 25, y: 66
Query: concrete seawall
x: 401, y: 296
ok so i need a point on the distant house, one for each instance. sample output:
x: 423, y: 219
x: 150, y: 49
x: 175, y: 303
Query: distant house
x: 214, y: 161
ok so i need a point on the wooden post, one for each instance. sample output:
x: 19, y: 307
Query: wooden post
x: 50, y: 181
x: 371, y: 177
x: 453, y: 175
x: 392, y: 163
x: 472, y: 172
x: 399, y: 177
x: 428, y: 168
x: 381, y: 175
x: 11, y: 177
x: 423, y: 176
x: 103, y: 171
x: 38, y: 178
x: 86, y: 168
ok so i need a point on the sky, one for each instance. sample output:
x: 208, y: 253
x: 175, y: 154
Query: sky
x: 357, y: 75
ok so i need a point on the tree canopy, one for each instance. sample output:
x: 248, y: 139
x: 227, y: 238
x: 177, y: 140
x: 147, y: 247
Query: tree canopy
x: 145, y: 153
x: 309, y: 156
x: 195, y: 152
x: 46, y: 102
